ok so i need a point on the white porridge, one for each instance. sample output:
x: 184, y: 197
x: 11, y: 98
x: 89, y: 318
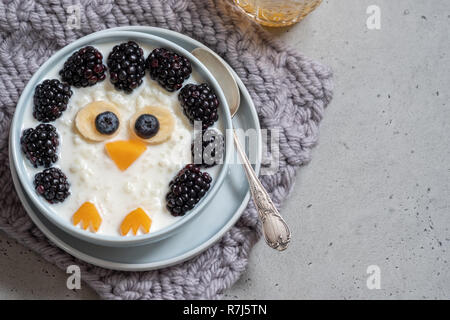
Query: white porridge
x: 94, y: 177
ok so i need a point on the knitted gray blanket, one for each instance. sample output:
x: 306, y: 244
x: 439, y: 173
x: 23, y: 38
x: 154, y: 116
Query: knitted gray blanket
x: 289, y: 90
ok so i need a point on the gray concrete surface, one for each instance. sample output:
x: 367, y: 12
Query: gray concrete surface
x: 377, y: 190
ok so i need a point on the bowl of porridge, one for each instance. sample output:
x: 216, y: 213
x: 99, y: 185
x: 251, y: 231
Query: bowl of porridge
x: 121, y: 139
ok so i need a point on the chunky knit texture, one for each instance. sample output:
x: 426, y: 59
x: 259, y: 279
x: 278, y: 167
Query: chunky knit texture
x: 289, y: 90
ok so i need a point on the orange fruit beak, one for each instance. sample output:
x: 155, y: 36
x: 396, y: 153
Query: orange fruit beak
x: 124, y: 153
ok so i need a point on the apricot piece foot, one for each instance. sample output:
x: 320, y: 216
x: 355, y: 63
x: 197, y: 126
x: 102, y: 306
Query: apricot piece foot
x: 134, y: 220
x: 88, y: 215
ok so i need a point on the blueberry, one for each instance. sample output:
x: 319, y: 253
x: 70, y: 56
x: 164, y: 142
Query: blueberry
x: 107, y: 122
x: 146, y: 126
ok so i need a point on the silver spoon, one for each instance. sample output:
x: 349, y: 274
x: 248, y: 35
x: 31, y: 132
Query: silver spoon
x: 276, y: 231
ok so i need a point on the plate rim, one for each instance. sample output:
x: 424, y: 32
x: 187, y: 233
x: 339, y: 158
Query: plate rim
x: 189, y: 254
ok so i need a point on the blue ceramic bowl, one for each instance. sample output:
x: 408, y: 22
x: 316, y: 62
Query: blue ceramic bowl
x: 25, y: 104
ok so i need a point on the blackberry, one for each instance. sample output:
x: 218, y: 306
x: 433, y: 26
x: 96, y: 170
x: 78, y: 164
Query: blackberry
x: 126, y: 66
x: 50, y: 100
x: 186, y: 189
x: 52, y: 184
x: 208, y: 148
x: 199, y: 103
x: 40, y: 145
x: 84, y: 68
x: 168, y: 68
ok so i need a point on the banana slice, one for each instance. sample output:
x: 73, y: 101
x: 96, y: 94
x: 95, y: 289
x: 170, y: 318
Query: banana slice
x: 166, y: 124
x: 85, y: 120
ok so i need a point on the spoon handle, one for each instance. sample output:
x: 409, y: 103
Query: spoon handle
x: 276, y: 231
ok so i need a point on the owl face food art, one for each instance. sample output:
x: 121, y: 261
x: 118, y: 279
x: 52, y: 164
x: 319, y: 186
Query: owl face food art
x: 109, y: 142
